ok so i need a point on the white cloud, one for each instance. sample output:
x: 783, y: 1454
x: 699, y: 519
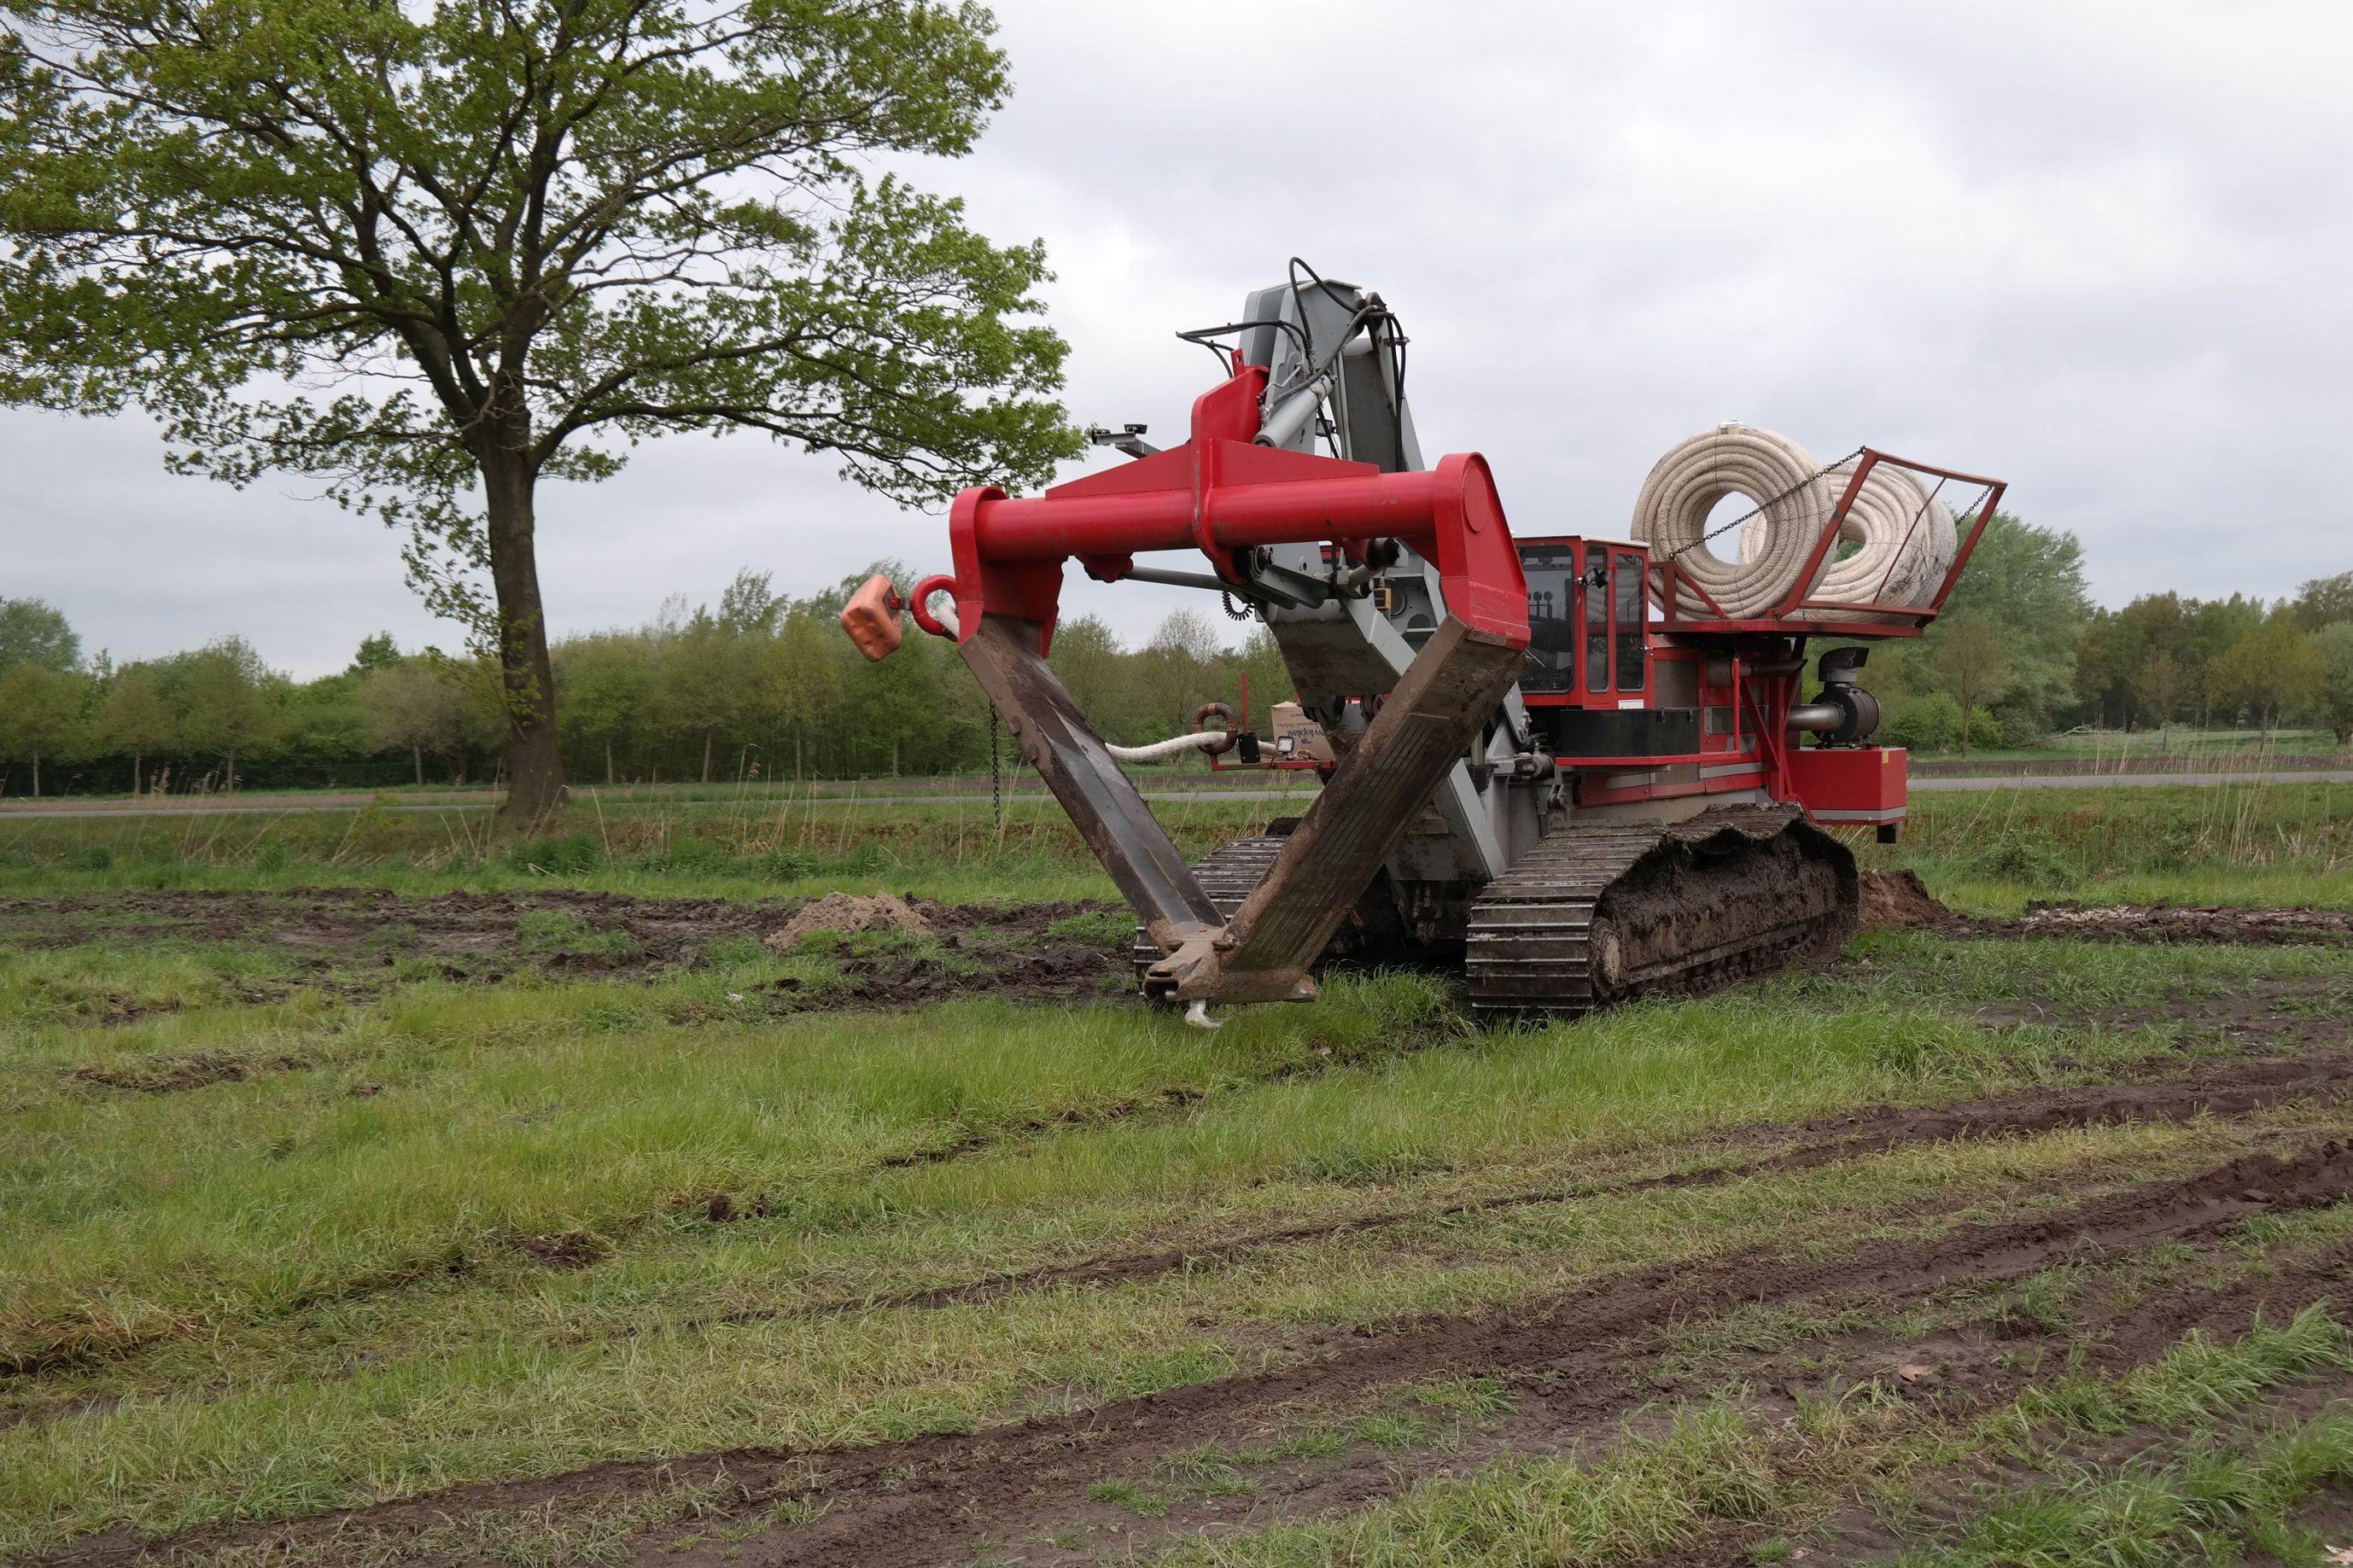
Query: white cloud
x: 2094, y: 248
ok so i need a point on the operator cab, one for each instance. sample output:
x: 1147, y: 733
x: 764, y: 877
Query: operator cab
x: 1588, y: 632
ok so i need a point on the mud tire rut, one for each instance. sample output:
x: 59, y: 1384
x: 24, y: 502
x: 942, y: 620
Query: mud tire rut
x: 932, y: 1500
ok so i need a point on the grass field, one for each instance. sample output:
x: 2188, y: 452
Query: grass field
x: 374, y: 1191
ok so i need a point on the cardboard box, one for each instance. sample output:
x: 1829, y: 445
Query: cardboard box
x: 1288, y: 721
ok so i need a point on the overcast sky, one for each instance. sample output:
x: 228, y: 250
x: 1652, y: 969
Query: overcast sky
x: 2100, y: 250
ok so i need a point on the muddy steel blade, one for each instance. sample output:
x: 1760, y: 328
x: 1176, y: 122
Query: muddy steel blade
x: 1441, y: 702
x: 1101, y: 799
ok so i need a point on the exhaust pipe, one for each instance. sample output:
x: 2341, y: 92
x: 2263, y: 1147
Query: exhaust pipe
x: 1819, y: 717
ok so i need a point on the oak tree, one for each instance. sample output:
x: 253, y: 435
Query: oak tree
x: 430, y: 255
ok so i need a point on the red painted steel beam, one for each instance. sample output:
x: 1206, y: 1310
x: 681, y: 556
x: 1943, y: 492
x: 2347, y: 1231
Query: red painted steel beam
x: 1223, y: 493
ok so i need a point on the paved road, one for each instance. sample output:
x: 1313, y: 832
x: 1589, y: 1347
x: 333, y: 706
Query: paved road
x: 2029, y: 781
x: 2127, y: 780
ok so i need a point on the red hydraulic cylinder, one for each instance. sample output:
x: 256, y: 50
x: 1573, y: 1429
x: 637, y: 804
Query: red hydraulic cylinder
x: 1220, y: 492
x: 1239, y: 517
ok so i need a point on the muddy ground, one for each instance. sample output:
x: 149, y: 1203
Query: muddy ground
x: 363, y: 941
x: 1571, y: 1370
x: 2154, y: 1261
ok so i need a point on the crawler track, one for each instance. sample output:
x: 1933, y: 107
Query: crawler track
x: 1602, y: 914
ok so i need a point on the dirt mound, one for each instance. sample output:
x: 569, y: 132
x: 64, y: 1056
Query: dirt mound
x: 1899, y: 898
x: 847, y: 912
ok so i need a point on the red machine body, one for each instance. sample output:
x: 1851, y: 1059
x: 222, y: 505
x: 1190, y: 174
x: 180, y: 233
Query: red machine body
x: 1518, y: 728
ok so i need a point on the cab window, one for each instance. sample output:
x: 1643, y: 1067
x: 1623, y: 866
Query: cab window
x: 1551, y: 573
x: 1597, y: 623
x: 1628, y: 571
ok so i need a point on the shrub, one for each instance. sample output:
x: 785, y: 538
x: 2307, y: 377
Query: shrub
x: 1929, y: 723
x: 782, y: 864
x: 564, y: 857
x: 96, y: 858
x: 2035, y: 865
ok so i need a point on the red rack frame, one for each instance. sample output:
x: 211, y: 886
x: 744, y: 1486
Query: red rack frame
x: 1789, y: 618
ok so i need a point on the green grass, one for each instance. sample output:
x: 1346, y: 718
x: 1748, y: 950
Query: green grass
x: 2226, y: 746
x: 292, y: 1251
x: 2245, y: 843
x: 268, y: 1247
x: 2220, y: 1502
x: 1719, y: 1471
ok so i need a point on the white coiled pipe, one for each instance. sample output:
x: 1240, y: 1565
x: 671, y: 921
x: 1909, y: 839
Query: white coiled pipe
x: 1904, y: 540
x: 1749, y: 576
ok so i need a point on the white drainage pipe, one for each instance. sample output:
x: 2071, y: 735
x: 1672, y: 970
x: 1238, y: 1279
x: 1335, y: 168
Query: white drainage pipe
x: 1772, y: 471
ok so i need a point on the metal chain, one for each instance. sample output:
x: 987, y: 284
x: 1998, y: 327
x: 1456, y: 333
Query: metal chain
x: 996, y: 770
x: 1755, y: 511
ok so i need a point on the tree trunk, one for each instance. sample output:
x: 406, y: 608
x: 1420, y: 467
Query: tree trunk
x: 608, y: 761
x: 417, y: 755
x: 797, y: 759
x: 706, y: 756
x: 138, y: 779
x: 36, y: 775
x: 230, y: 783
x: 534, y: 765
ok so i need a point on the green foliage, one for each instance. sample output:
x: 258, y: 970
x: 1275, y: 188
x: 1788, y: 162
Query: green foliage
x: 2164, y: 659
x: 569, y: 856
x: 2270, y: 671
x: 33, y: 632
x: 375, y: 652
x: 2027, y: 862
x: 424, y: 709
x: 40, y: 714
x: 2323, y: 602
x: 1932, y: 722
x: 2027, y: 584
x: 2332, y: 705
x: 430, y: 255
x: 225, y: 704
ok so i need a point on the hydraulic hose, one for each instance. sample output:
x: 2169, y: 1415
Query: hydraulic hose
x: 1177, y: 745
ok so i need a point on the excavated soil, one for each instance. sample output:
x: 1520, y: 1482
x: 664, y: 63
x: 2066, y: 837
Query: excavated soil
x: 848, y: 914
x: 1899, y: 900
x: 1580, y: 1363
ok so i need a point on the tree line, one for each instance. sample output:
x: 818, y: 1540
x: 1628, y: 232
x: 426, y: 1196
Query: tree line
x: 755, y: 685
x: 2021, y: 651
